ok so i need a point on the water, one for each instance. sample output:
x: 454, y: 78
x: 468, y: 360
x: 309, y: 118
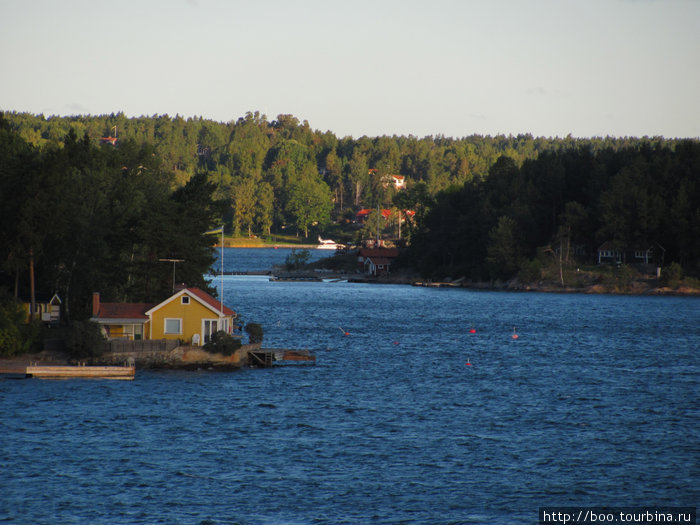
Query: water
x: 596, y: 403
x: 259, y: 259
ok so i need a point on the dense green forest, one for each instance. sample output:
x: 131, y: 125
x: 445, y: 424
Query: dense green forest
x: 99, y: 215
x: 90, y: 218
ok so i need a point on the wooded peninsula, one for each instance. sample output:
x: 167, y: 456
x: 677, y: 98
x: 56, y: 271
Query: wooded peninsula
x: 98, y: 202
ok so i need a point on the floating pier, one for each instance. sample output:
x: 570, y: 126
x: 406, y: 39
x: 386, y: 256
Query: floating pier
x: 70, y: 372
x: 266, y: 358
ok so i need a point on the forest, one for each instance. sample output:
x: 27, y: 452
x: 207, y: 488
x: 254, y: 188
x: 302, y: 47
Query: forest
x: 97, y: 202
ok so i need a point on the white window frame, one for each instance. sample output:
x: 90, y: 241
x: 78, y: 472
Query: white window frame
x: 205, y: 335
x: 179, y: 325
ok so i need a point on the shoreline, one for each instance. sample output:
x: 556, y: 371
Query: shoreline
x: 636, y: 288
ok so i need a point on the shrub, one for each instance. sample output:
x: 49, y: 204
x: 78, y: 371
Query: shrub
x: 297, y: 259
x: 222, y: 343
x: 672, y: 275
x: 530, y: 270
x: 12, y: 341
x: 255, y: 333
x: 84, y: 339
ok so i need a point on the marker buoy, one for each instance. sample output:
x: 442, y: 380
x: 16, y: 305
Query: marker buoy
x: 514, y: 336
x: 469, y: 362
x: 472, y: 330
x: 344, y: 332
x: 396, y: 342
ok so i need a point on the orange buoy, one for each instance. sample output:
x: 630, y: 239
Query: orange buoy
x: 514, y: 336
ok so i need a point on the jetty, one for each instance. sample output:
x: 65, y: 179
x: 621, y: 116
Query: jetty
x: 70, y: 372
x: 266, y: 358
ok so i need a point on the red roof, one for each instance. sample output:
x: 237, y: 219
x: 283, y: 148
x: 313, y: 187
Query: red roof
x: 123, y: 310
x: 378, y: 261
x: 365, y: 212
x: 390, y: 253
x: 211, y: 301
x: 138, y: 310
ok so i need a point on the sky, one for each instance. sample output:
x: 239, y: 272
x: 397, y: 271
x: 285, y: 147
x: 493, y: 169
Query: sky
x: 550, y: 68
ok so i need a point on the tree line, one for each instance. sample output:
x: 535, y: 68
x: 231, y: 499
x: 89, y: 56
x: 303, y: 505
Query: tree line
x: 282, y: 175
x: 484, y: 206
x: 563, y: 205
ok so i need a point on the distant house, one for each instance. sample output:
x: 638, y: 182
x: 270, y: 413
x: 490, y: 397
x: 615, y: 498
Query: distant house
x: 654, y: 255
x: 608, y: 253
x: 46, y: 309
x: 376, y: 261
x: 362, y: 215
x: 398, y: 181
x: 377, y: 266
x: 190, y: 315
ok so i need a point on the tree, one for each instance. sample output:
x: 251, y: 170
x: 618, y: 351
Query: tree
x: 503, y: 250
x: 309, y: 202
x: 334, y: 176
x: 264, y: 205
x: 243, y: 197
x: 358, y: 175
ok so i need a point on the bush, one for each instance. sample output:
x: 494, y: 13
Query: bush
x: 12, y: 341
x: 255, y: 333
x: 297, y: 259
x: 530, y: 271
x: 84, y: 339
x: 222, y: 343
x: 671, y: 276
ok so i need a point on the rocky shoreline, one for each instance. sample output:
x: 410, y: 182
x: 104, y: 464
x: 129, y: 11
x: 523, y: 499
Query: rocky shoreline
x: 634, y: 287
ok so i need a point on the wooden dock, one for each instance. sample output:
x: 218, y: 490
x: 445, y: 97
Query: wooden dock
x: 265, y: 358
x: 70, y: 372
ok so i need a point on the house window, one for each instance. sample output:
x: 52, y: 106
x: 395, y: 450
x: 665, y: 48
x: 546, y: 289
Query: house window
x: 185, y: 299
x: 173, y: 326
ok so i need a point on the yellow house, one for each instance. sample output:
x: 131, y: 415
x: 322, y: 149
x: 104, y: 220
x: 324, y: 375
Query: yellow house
x: 190, y: 315
x: 46, y: 310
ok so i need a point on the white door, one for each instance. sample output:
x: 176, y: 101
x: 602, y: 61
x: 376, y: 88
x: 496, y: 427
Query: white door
x: 209, y: 326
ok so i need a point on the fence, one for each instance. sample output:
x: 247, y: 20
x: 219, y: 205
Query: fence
x: 140, y: 348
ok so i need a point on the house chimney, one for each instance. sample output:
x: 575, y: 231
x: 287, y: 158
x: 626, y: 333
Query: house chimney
x: 95, y: 303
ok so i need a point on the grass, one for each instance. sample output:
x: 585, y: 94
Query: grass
x: 266, y: 242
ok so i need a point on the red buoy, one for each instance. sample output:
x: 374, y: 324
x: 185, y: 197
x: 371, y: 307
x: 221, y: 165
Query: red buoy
x: 472, y: 331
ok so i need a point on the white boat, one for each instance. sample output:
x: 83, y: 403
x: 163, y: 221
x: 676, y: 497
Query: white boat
x: 328, y: 244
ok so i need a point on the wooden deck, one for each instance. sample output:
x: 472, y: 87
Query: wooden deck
x: 69, y: 372
x: 265, y: 358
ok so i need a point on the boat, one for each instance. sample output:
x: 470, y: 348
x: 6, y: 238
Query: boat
x: 328, y: 244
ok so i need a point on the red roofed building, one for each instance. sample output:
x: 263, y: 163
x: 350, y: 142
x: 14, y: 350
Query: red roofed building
x: 376, y: 261
x: 361, y: 216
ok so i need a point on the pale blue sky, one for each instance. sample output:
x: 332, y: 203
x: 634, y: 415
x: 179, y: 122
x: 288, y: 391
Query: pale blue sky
x: 356, y: 67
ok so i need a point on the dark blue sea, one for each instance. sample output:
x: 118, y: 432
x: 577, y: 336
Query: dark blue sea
x: 596, y: 403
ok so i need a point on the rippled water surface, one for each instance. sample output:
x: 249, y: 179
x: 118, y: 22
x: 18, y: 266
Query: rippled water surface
x: 595, y: 403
